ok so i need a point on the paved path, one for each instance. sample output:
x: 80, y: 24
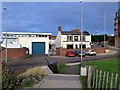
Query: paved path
x: 71, y: 69
x: 59, y: 81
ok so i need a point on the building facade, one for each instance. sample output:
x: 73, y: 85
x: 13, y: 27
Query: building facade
x: 38, y: 43
x: 72, y: 39
x: 117, y: 27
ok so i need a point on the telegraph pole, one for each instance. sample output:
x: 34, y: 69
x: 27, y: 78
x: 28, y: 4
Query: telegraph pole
x: 6, y: 27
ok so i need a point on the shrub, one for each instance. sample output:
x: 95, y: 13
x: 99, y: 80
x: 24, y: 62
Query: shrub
x: 9, y: 81
x: 31, y: 77
x: 61, y: 67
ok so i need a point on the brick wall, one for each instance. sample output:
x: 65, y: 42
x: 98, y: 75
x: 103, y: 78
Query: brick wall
x: 15, y: 53
x: 62, y: 51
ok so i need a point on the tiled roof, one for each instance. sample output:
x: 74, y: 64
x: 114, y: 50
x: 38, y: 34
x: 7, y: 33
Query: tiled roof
x: 74, y: 33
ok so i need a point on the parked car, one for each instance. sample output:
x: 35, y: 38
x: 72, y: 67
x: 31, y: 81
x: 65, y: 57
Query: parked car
x: 79, y: 53
x: 70, y: 53
x: 91, y: 52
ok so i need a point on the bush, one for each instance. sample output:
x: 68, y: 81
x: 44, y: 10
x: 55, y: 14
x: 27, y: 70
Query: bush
x: 31, y: 77
x: 9, y: 81
x: 61, y: 67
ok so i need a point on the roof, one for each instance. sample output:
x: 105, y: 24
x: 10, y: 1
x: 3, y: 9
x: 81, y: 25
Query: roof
x: 26, y: 33
x: 52, y: 37
x: 11, y: 45
x: 74, y: 33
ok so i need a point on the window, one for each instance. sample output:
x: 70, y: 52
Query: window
x: 83, y: 38
x: 69, y: 38
x: 75, y: 38
x: 45, y: 35
x: 69, y: 46
x: 83, y: 46
x: 76, y: 46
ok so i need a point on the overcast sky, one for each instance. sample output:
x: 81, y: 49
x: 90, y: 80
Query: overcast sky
x: 46, y: 17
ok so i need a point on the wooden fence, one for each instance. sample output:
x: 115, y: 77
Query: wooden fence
x: 99, y: 79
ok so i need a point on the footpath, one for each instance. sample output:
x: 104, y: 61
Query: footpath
x: 68, y: 80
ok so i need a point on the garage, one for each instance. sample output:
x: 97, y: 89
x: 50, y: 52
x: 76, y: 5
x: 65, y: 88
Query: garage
x: 38, y: 48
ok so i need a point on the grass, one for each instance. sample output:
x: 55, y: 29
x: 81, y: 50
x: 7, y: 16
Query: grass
x: 35, y: 70
x: 61, y: 67
x: 106, y: 65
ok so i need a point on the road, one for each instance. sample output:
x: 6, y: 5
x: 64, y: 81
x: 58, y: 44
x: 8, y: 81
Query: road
x: 40, y: 60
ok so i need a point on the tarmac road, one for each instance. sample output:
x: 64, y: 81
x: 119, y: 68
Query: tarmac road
x: 40, y: 60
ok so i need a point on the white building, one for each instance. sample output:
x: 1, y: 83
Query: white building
x: 38, y: 43
x: 72, y: 39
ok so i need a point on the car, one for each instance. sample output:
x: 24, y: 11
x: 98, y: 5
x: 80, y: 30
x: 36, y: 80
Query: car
x: 91, y: 52
x: 70, y: 53
x: 78, y: 53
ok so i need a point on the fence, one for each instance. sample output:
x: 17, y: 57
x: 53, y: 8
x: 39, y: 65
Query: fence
x: 99, y: 79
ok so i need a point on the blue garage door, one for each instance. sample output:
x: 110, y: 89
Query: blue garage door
x: 38, y: 48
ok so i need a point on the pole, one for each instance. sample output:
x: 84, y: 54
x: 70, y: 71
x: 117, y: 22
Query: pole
x: 82, y: 64
x: 104, y: 27
x: 6, y: 34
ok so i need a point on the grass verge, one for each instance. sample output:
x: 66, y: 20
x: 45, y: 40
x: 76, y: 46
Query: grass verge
x: 110, y: 65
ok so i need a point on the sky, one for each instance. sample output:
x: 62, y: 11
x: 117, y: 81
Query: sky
x: 47, y: 16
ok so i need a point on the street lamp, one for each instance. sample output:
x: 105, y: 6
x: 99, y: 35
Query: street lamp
x: 83, y: 68
x: 82, y: 64
x: 104, y: 27
x: 6, y: 25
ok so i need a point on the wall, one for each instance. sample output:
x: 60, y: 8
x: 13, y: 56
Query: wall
x: 27, y: 42
x: 64, y: 44
x: 88, y: 40
x: 15, y: 53
x: 62, y: 51
x: 117, y: 41
x: 58, y: 40
x: 61, y: 41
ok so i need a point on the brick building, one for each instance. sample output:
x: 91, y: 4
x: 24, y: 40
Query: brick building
x: 117, y: 27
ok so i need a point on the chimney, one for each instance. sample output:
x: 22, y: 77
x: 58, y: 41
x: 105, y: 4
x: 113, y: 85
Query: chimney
x: 60, y: 28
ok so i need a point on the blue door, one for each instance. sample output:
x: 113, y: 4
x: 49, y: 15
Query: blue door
x: 38, y: 48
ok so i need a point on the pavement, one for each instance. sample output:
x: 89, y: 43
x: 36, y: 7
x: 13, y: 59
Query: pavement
x: 59, y: 81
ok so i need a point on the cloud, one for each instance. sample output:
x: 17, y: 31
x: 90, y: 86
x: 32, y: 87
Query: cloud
x: 46, y: 17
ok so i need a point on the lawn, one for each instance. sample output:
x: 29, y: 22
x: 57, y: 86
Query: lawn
x: 110, y: 65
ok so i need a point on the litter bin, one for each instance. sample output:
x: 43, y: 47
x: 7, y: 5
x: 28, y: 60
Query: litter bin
x: 53, y: 66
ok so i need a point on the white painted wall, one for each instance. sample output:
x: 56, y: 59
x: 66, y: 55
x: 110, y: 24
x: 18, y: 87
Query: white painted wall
x: 52, y: 41
x: 58, y: 40
x: 74, y: 43
x: 88, y: 38
x: 27, y: 42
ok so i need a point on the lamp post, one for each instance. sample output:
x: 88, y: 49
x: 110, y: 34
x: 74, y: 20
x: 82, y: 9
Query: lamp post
x: 104, y: 27
x: 6, y: 27
x: 82, y: 64
x: 83, y: 68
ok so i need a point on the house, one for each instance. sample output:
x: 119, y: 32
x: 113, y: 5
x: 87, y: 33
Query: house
x: 37, y: 43
x: 52, y: 39
x: 52, y: 42
x: 117, y: 27
x: 72, y: 39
